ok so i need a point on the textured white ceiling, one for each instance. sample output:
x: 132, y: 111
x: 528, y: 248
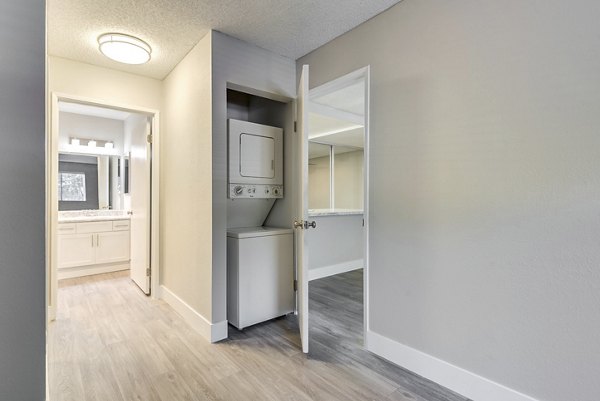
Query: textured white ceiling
x: 291, y: 28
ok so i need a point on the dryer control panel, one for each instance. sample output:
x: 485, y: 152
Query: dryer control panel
x: 245, y: 191
x: 255, y: 166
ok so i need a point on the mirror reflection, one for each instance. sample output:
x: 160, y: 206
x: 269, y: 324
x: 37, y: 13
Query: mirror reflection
x: 91, y: 182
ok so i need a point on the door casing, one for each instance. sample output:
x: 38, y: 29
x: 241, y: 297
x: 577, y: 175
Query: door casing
x: 52, y: 192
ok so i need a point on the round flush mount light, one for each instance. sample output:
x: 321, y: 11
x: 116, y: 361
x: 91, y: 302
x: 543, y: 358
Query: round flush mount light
x: 124, y: 48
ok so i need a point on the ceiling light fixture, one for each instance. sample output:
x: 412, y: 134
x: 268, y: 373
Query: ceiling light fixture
x: 124, y: 48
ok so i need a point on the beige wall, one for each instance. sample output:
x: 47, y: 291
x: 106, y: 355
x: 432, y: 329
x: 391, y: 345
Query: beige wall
x: 186, y: 180
x: 485, y: 181
x: 349, y: 180
x: 318, y: 183
x: 103, y: 84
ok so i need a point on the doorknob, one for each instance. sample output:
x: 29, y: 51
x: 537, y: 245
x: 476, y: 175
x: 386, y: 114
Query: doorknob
x: 310, y: 224
x: 305, y: 224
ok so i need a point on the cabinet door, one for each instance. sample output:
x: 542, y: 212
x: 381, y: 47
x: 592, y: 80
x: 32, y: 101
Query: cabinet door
x: 112, y: 247
x: 75, y: 250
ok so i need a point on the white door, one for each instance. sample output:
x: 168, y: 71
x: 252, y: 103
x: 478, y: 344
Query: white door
x: 139, y: 190
x: 301, y: 224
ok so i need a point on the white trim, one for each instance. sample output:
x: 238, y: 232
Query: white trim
x: 366, y: 71
x: 212, y: 332
x: 331, y: 270
x: 457, y: 379
x: 80, y: 271
x: 218, y: 331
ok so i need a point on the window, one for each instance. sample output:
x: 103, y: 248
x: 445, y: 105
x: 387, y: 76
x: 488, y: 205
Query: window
x: 71, y: 187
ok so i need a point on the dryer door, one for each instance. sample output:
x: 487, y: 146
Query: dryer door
x: 257, y: 156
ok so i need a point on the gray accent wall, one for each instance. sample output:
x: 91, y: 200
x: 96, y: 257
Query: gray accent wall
x: 485, y: 185
x: 22, y: 200
x: 91, y: 185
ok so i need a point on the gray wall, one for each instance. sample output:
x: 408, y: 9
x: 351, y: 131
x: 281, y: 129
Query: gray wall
x: 22, y: 194
x: 91, y: 184
x: 338, y: 240
x: 485, y: 185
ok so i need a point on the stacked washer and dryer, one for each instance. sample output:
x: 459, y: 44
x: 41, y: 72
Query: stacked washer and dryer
x: 260, y: 260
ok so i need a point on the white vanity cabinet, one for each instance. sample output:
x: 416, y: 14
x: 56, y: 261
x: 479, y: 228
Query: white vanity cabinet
x: 93, y: 247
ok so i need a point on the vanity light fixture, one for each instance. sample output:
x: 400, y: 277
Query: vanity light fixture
x: 124, y: 48
x: 92, y: 143
x: 75, y: 142
x: 109, y: 145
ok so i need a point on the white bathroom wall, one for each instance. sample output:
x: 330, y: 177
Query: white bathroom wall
x: 485, y: 184
x: 240, y: 63
x: 22, y: 189
x: 90, y: 127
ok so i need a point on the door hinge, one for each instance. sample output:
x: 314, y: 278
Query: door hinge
x: 148, y: 272
x: 295, y: 285
x: 149, y: 138
x: 295, y: 126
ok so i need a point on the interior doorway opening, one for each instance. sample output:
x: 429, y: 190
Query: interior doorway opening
x: 338, y: 204
x: 102, y: 193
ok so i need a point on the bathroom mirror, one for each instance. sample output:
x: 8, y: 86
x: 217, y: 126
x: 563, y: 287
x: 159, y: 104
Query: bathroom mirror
x: 90, y: 182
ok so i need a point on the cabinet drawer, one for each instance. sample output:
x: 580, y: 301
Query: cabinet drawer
x: 67, y: 228
x: 94, y: 227
x: 120, y: 225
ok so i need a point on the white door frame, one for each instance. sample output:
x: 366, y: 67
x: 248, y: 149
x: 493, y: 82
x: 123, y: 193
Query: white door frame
x: 52, y: 192
x: 332, y: 86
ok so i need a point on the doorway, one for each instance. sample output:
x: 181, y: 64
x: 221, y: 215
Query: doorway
x: 102, y: 193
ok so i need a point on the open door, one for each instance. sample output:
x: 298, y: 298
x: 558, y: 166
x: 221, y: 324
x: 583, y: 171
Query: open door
x: 140, y: 192
x: 301, y: 223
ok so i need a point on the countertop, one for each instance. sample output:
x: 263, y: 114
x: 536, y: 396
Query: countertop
x: 84, y: 219
x: 335, y: 212
x: 81, y: 216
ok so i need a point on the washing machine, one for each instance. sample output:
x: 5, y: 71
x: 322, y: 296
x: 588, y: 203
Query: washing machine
x: 260, y: 274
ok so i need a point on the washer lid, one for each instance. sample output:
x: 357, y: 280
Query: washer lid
x: 252, y: 232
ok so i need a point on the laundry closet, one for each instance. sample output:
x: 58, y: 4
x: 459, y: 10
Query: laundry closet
x: 260, y: 257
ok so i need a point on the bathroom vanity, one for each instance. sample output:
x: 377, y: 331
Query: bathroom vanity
x: 92, y: 242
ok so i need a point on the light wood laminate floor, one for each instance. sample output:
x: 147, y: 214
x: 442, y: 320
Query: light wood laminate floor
x: 110, y: 342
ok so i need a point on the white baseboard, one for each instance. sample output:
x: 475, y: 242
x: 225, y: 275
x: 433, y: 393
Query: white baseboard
x: 80, y: 271
x: 326, y: 271
x: 459, y: 380
x: 213, y: 332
